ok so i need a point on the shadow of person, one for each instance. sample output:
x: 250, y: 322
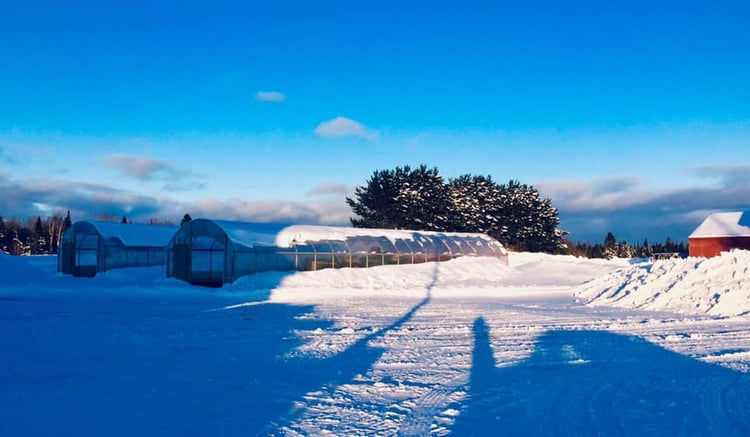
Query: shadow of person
x: 601, y: 383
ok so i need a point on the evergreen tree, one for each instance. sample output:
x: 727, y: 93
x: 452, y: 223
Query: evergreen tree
x: 475, y: 204
x: 527, y: 221
x: 610, y: 246
x: 513, y: 213
x: 67, y: 223
x: 646, y: 250
x: 424, y: 200
x: 124, y: 219
x: 37, y: 241
x: 185, y: 219
x: 402, y: 199
x: 4, y: 240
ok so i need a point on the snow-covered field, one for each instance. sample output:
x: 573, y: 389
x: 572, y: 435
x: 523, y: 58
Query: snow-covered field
x: 551, y: 345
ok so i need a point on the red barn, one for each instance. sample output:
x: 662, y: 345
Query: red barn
x: 720, y: 232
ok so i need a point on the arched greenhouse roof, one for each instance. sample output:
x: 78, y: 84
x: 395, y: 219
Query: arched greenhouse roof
x: 129, y: 234
x: 251, y: 235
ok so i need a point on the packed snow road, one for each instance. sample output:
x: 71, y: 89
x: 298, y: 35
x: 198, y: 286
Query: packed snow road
x: 459, y: 348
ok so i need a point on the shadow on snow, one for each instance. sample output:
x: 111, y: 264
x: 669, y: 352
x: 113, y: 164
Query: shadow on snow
x: 601, y: 383
x: 121, y: 364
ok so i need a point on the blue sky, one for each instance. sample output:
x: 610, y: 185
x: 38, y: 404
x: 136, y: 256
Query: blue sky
x: 632, y: 116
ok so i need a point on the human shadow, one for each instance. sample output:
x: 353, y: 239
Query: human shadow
x: 601, y: 383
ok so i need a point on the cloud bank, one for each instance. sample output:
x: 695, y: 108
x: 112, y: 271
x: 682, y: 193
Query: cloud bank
x: 48, y: 196
x: 588, y: 209
x: 626, y: 206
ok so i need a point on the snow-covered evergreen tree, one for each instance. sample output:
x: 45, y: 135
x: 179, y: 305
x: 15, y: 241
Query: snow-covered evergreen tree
x: 610, y: 246
x: 402, y: 199
x: 475, y: 204
x: 513, y: 213
x: 37, y: 241
x: 527, y: 221
x: 423, y: 200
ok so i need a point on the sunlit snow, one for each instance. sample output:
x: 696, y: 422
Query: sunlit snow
x: 544, y: 346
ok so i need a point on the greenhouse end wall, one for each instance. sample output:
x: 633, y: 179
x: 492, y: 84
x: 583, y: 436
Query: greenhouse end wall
x: 212, y: 253
x: 88, y: 247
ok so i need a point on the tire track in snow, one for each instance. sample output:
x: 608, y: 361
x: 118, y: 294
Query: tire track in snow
x: 427, y: 408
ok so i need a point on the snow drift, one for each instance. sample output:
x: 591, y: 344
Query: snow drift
x: 718, y: 286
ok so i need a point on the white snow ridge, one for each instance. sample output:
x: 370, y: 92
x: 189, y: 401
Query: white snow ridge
x: 718, y: 286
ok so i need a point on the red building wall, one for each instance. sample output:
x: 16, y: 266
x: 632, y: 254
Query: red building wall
x: 713, y: 246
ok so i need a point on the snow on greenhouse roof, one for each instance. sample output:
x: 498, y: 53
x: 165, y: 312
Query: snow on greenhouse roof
x: 285, y: 235
x: 302, y: 233
x: 724, y: 224
x: 250, y: 234
x: 135, y: 234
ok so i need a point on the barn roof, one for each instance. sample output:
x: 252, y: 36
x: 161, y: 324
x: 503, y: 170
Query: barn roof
x: 724, y: 224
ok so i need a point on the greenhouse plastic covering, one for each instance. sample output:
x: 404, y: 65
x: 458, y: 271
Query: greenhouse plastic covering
x: 214, y: 252
x: 89, y: 247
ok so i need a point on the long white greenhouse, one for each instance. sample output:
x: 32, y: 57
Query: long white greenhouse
x: 216, y: 252
x: 89, y: 247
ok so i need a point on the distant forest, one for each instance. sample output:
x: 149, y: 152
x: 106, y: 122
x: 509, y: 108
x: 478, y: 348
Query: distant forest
x: 41, y: 235
x: 611, y: 248
x: 34, y: 236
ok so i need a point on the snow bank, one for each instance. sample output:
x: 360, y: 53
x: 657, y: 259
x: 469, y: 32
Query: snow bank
x: 405, y: 280
x: 718, y: 286
x: 541, y: 269
x: 21, y: 270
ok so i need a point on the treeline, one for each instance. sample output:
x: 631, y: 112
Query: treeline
x: 41, y: 235
x: 35, y: 236
x: 611, y: 248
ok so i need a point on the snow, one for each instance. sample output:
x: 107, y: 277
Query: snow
x: 724, y: 224
x: 135, y: 234
x: 717, y: 286
x: 465, y: 347
x: 281, y: 235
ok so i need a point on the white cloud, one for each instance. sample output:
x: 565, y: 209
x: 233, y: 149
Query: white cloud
x: 330, y: 189
x: 344, y: 127
x: 135, y: 166
x: 270, y: 96
x: 283, y: 211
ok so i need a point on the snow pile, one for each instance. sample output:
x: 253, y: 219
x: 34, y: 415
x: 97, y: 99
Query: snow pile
x: 464, y: 276
x: 407, y: 280
x: 541, y: 269
x: 718, y: 286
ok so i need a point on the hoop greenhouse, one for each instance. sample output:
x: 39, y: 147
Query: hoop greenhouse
x: 216, y: 252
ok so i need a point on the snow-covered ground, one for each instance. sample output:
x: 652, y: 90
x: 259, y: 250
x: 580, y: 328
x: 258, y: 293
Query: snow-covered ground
x: 717, y: 286
x: 466, y: 347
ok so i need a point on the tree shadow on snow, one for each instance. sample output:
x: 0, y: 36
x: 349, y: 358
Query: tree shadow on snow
x: 601, y: 383
x: 308, y: 374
